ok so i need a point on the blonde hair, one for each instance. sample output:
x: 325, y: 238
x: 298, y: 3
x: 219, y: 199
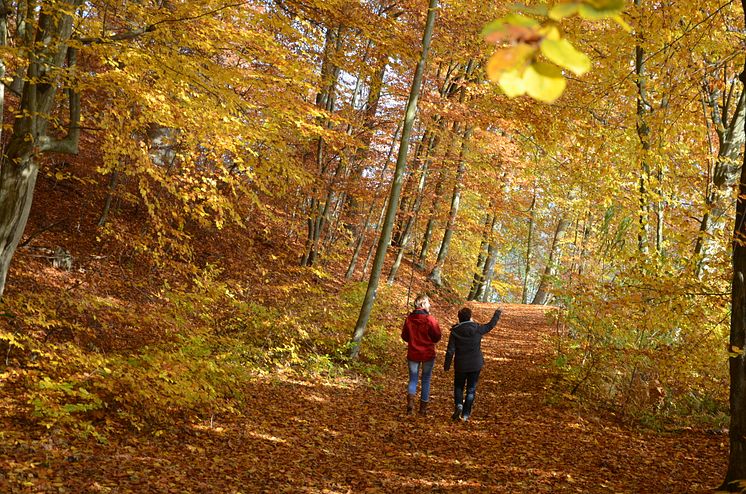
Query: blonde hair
x: 421, y: 301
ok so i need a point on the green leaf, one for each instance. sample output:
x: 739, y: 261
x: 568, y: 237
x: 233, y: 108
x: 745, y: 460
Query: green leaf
x: 565, y: 55
x: 562, y: 10
x: 506, y: 22
x: 512, y: 83
x: 544, y: 82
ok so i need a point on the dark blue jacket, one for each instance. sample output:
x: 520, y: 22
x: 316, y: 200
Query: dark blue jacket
x: 465, y: 343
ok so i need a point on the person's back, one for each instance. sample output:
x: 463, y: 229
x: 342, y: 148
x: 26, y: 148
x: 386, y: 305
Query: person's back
x: 465, y: 345
x: 421, y: 332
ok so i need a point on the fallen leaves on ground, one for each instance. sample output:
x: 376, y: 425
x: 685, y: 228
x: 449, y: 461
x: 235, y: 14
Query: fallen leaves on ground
x: 327, y: 436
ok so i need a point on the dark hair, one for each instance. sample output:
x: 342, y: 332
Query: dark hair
x: 464, y: 314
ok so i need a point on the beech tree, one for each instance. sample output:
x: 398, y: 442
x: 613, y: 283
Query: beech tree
x: 396, y: 185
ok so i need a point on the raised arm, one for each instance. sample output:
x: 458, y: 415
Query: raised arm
x: 486, y: 328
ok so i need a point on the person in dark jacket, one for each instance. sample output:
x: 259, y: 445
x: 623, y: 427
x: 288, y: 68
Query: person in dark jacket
x: 421, y: 331
x: 465, y: 344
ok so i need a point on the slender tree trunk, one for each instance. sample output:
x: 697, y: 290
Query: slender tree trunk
x: 410, y: 226
x: 542, y: 294
x: 488, y: 274
x: 427, y: 236
x: 643, y: 134
x: 401, y: 162
x: 529, y: 241
x: 478, y: 281
x: 109, y: 197
x: 4, y: 13
x: 729, y: 127
x: 364, y: 229
x: 325, y: 100
x: 436, y: 275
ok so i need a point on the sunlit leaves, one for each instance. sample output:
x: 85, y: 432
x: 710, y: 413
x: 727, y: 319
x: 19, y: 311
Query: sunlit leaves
x: 562, y: 53
x: 517, y: 68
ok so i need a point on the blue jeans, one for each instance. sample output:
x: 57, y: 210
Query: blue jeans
x: 427, y: 374
x: 470, y: 379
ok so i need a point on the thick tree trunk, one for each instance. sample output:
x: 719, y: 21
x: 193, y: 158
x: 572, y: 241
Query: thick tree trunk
x: 17, y: 181
x: 401, y: 162
x: 4, y: 13
x: 736, y: 473
x: 436, y: 275
x: 542, y: 294
x: 29, y: 137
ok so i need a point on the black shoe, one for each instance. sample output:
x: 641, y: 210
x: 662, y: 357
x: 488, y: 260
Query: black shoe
x: 457, y: 412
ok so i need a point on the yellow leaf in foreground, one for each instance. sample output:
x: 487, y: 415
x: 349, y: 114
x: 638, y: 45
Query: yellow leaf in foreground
x: 507, y: 59
x: 544, y: 82
x: 565, y: 55
x: 511, y: 82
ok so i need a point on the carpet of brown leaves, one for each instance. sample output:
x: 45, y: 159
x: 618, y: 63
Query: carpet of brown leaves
x: 339, y: 436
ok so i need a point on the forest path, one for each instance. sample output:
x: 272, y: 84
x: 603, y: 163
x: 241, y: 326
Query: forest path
x: 342, y: 436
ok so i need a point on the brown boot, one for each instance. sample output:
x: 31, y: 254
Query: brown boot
x: 423, y: 408
x: 410, y: 404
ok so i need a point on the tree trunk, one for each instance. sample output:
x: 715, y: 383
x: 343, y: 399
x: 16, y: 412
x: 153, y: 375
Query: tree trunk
x: 109, y: 197
x: 366, y: 222
x: 324, y: 100
x: 409, y: 228
x: 643, y: 134
x: 29, y: 137
x: 737, y: 362
x: 729, y: 127
x: 401, y: 162
x: 436, y: 275
x: 427, y: 236
x: 531, y: 221
x: 4, y: 13
x: 542, y: 294
x: 478, y: 281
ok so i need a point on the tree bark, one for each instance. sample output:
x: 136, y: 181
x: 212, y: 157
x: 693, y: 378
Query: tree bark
x: 531, y: 221
x: 542, y: 294
x: 396, y: 185
x: 18, y: 165
x: 736, y: 473
x: 410, y: 224
x: 366, y: 222
x: 729, y: 128
x: 478, y: 281
x: 436, y: 275
x: 325, y: 100
x: 643, y: 134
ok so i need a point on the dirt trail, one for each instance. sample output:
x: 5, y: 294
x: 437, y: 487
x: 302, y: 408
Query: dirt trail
x: 345, y: 436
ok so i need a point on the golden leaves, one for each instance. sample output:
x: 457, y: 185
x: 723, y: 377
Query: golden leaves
x: 517, y: 68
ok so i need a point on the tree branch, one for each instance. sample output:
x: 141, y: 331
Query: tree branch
x: 135, y: 33
x: 68, y: 144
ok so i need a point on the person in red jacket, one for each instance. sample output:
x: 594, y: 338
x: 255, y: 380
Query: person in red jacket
x: 421, y: 332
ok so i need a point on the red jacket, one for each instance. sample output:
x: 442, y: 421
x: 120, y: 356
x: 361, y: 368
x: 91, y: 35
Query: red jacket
x: 421, y: 332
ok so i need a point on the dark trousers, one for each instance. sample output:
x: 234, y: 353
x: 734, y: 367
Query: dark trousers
x: 468, y: 380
